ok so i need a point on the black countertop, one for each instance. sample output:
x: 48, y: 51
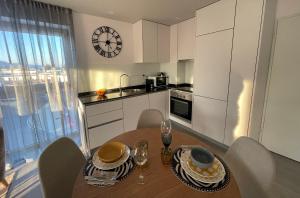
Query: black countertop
x: 90, y: 98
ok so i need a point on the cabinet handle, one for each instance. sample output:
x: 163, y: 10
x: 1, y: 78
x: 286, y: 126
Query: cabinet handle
x: 105, y: 123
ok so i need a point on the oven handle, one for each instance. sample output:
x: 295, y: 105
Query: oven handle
x: 180, y: 100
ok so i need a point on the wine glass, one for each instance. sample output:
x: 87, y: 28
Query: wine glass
x: 141, y: 157
x: 166, y: 135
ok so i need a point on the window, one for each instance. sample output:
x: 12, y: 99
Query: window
x: 36, y: 101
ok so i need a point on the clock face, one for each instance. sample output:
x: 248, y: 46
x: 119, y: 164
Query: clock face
x: 107, y: 42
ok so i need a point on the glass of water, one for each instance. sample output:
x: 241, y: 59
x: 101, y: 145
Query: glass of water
x: 141, y: 157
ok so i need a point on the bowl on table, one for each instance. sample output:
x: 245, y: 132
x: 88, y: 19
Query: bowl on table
x: 202, y: 157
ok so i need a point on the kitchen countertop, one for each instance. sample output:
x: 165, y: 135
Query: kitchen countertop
x: 90, y: 98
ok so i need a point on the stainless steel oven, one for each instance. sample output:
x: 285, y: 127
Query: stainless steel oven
x: 181, y: 104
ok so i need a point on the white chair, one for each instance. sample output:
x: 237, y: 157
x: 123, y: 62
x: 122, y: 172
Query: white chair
x: 252, y: 166
x: 150, y: 118
x: 59, y: 166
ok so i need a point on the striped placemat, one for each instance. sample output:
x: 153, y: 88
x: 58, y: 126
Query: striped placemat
x: 122, y: 171
x: 189, y: 181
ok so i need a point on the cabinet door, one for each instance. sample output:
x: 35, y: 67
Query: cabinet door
x: 246, y: 67
x: 104, y: 118
x: 209, y: 117
x: 138, y: 41
x: 163, y: 43
x: 186, y: 39
x: 159, y: 101
x: 215, y: 17
x: 101, y: 134
x: 96, y: 109
x: 132, y: 108
x: 173, y: 43
x: 212, y: 65
x: 149, y: 42
x: 281, y: 131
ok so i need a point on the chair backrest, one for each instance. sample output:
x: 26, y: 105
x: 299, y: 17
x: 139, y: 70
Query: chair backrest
x: 59, y: 166
x: 150, y: 118
x: 252, y: 166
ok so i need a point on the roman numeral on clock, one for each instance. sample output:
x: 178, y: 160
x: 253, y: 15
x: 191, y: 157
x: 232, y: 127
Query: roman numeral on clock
x: 95, y: 40
x: 107, y: 42
x: 97, y: 48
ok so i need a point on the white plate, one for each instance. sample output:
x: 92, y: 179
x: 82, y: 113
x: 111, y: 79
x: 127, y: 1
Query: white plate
x: 184, y: 159
x: 107, y: 166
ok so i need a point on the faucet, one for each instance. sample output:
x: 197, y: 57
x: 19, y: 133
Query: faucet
x: 120, y: 88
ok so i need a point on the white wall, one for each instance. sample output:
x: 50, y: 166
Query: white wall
x: 96, y: 71
x: 189, y: 68
x: 172, y: 70
x: 179, y: 72
x: 287, y: 8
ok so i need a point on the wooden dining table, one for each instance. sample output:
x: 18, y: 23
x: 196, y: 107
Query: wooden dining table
x: 160, y: 181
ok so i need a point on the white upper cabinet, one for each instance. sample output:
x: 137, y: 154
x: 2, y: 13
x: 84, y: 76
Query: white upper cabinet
x: 212, y: 65
x: 163, y: 43
x: 132, y: 108
x: 215, y: 17
x: 209, y: 117
x: 173, y: 44
x: 151, y: 42
x: 186, y: 39
x: 145, y: 42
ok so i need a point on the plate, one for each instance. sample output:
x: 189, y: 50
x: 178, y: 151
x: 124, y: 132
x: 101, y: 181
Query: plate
x: 214, y: 174
x: 111, y: 152
x: 107, y: 166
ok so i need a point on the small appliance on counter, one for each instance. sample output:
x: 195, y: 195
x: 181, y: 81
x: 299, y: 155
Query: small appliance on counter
x: 149, y: 84
x: 161, y: 80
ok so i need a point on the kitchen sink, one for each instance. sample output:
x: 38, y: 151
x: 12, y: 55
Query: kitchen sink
x: 127, y: 92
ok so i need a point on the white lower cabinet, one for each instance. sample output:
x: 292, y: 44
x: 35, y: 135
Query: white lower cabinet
x: 104, y: 121
x: 101, y: 134
x: 209, y: 117
x: 132, y: 109
x: 158, y: 101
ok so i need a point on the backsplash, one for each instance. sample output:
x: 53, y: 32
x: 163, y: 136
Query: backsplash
x: 108, y: 76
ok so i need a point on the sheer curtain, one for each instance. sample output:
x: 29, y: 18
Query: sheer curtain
x: 38, y: 75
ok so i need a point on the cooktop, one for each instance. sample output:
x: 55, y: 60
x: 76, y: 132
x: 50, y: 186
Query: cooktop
x: 187, y: 89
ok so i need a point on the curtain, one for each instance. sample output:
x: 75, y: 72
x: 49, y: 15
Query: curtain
x: 38, y: 85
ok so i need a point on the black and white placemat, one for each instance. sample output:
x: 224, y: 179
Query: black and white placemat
x: 122, y: 171
x: 200, y: 186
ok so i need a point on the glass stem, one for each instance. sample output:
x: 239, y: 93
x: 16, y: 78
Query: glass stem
x: 141, y: 176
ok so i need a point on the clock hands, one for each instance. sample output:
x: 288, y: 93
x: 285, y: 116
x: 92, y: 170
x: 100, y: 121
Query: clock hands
x: 109, y: 45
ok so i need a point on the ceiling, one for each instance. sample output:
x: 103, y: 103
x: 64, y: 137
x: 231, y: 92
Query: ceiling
x: 161, y: 11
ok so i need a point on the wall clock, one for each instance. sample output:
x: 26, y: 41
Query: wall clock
x: 107, y: 41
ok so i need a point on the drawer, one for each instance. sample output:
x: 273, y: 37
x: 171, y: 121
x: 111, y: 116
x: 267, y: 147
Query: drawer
x: 104, y: 118
x: 103, y: 107
x: 100, y: 135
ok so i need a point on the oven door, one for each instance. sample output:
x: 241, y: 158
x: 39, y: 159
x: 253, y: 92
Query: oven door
x: 181, y: 108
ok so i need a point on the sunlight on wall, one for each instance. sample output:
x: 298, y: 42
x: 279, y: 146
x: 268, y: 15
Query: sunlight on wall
x: 108, y: 76
x: 244, y: 105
